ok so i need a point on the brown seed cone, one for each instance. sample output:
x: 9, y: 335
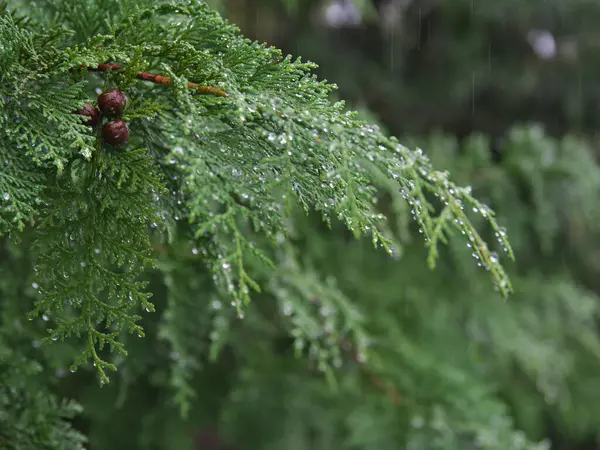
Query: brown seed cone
x: 111, y: 103
x: 91, y: 112
x: 115, y: 133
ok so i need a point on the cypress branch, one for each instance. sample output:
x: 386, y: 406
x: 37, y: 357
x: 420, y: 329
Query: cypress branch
x: 277, y: 142
x: 218, y: 181
x: 159, y: 79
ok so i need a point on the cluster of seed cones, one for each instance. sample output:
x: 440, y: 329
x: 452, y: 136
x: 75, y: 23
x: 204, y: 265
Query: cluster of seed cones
x: 111, y: 104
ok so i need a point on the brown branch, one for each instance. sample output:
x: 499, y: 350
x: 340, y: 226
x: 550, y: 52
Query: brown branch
x: 390, y: 391
x: 159, y: 79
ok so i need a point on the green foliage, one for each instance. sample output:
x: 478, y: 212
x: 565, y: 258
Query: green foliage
x: 93, y: 247
x: 239, y: 215
x: 228, y: 163
x: 469, y: 367
x: 457, y: 355
x: 30, y: 417
x: 537, y: 344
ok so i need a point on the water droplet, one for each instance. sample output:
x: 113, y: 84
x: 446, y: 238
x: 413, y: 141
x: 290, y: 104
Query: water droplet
x: 287, y: 309
x: 86, y: 153
x: 417, y: 422
x: 361, y: 357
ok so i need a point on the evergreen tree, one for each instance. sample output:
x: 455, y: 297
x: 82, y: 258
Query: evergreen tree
x: 231, y: 190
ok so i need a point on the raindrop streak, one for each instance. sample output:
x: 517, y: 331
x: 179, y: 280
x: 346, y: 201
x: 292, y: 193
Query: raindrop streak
x: 392, y: 44
x: 419, y: 28
x: 473, y: 93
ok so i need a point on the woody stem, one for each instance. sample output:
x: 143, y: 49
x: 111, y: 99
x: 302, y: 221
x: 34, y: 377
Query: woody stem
x: 159, y: 79
x: 390, y: 391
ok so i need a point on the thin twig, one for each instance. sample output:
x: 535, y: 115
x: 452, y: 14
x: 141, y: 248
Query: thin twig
x: 159, y: 79
x: 390, y: 391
